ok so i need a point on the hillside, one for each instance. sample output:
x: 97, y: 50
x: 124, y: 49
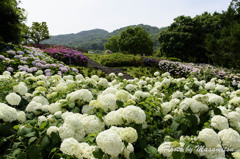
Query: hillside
x: 95, y: 39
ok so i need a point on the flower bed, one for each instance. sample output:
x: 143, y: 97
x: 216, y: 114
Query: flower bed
x: 65, y: 54
x: 32, y: 60
x: 160, y: 117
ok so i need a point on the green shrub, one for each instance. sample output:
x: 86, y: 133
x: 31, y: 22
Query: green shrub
x: 120, y: 59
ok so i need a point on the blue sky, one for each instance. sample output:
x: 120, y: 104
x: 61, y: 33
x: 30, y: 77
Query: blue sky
x: 73, y: 16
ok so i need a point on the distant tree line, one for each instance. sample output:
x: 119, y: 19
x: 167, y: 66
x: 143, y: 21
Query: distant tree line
x: 205, y: 38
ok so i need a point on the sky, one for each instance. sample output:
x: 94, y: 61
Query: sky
x: 73, y: 16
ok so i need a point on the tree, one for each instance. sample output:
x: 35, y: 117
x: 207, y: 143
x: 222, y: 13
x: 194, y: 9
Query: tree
x: 112, y: 44
x: 39, y: 32
x: 135, y: 41
x: 12, y: 18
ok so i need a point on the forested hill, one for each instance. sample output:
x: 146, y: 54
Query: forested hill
x: 95, y: 39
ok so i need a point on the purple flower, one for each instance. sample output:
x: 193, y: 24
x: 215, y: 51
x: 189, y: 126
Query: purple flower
x: 20, y: 52
x: 10, y: 69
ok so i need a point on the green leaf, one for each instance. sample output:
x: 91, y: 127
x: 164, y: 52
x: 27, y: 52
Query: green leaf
x: 98, y: 153
x: 34, y: 152
x: 45, y: 142
x: 132, y: 155
x: 43, y: 125
x: 31, y: 140
x: 217, y: 111
x: 193, y: 119
x: 151, y: 150
x: 119, y: 103
x: 178, y: 155
x: 174, y: 126
x: 16, y: 127
x: 55, y: 138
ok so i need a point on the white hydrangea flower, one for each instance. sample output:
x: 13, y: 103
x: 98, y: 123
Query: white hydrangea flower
x: 129, y: 135
x: 70, y: 146
x: 33, y: 107
x: 166, y: 74
x: 210, y: 85
x: 122, y: 95
x: 21, y: 88
x: 221, y: 88
x: 110, y: 90
x: 103, y: 82
x: 13, y: 99
x: 131, y: 87
x: 52, y: 129
x: 68, y: 77
x: 133, y: 114
x: 61, y: 87
x: 108, y: 101
x: 236, y: 155
x: 54, y: 107
x: 8, y: 114
x: 209, y: 137
x: 215, y: 99
x: 166, y: 107
x: 72, y: 127
x: 110, y: 142
x: 79, y: 77
x: 112, y: 74
x: 219, y: 122
x: 86, y: 109
x: 156, y: 73
x: 86, y: 151
x: 141, y: 94
x: 83, y: 95
x: 95, y: 77
x: 41, y: 99
x: 165, y: 149
x: 114, y: 118
x: 120, y: 74
x: 177, y: 94
x: 92, y: 124
x: 194, y: 105
x: 41, y: 119
x: 230, y: 138
x: 21, y: 116
x: 235, y: 101
x: 201, y: 98
x: 127, y: 150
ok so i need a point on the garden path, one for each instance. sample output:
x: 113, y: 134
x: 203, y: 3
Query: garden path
x: 107, y: 70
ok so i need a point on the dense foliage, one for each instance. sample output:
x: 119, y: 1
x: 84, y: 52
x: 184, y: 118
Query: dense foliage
x: 135, y: 41
x: 94, y: 40
x: 12, y: 18
x: 206, y: 38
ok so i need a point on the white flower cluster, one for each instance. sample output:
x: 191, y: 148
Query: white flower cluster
x: 92, y: 124
x: 72, y: 127
x: 7, y: 113
x: 110, y: 142
x: 194, y: 105
x: 106, y: 102
x: 13, y: 99
x: 131, y: 114
x: 219, y: 122
x: 82, y: 95
x: 70, y: 146
x: 21, y: 88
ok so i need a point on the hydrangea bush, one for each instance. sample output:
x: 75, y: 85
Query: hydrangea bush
x: 73, y: 116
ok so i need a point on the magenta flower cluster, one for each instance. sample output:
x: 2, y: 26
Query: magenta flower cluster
x: 65, y: 54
